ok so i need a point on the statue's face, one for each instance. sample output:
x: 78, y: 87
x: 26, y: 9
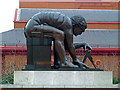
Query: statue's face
x: 77, y: 31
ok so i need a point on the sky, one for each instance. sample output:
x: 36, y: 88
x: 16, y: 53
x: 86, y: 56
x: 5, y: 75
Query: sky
x: 7, y: 12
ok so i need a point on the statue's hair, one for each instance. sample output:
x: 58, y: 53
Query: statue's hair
x: 79, y: 21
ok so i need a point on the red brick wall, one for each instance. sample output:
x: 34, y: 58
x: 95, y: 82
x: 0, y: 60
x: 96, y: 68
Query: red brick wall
x: 70, y: 5
x: 91, y: 25
x: 108, y: 63
x: 0, y: 65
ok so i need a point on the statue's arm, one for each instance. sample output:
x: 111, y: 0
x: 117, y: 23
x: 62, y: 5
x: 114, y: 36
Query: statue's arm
x: 82, y: 44
x: 70, y: 45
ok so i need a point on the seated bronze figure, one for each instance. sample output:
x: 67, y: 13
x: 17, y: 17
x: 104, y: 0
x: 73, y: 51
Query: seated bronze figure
x: 61, y: 28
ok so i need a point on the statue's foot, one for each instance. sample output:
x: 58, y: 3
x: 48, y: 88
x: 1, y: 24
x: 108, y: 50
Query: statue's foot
x: 86, y: 66
x: 80, y: 64
x: 56, y: 66
x: 68, y: 64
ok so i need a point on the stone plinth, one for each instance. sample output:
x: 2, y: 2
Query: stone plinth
x: 63, y: 78
x: 38, y: 53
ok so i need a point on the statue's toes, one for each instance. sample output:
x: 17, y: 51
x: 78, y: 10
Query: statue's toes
x: 68, y: 64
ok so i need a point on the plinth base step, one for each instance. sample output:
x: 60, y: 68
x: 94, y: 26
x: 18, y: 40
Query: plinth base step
x: 63, y: 78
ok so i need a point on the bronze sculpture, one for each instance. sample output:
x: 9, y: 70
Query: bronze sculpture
x: 61, y: 28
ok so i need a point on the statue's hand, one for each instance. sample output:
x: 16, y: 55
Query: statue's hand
x: 80, y: 64
x: 87, y: 47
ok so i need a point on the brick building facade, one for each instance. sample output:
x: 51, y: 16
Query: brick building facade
x: 102, y: 32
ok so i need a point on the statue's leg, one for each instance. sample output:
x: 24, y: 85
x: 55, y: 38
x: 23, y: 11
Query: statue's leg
x: 58, y: 37
x: 55, y: 33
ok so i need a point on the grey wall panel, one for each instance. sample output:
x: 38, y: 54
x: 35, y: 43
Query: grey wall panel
x: 90, y: 15
x: 15, y: 36
x: 101, y: 37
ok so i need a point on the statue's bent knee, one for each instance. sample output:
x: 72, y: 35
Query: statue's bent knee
x: 59, y: 35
